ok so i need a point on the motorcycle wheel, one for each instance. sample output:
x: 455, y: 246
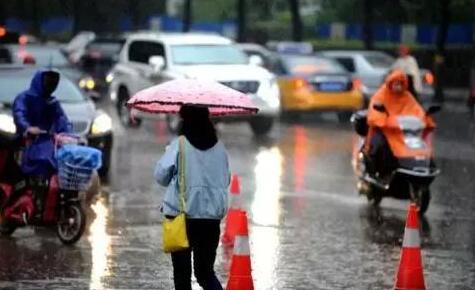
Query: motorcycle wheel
x: 71, y: 224
x: 6, y: 228
x: 374, y: 197
x: 423, y: 200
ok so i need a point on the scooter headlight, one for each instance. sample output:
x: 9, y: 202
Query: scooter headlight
x: 7, y: 124
x: 102, y: 124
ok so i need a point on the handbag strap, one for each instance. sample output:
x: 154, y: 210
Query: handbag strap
x: 181, y: 174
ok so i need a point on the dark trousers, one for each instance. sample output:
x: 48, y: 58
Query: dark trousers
x: 203, y: 235
x: 382, y: 160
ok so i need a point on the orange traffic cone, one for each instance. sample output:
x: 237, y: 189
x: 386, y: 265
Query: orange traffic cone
x: 232, y: 219
x: 411, y: 274
x: 240, y: 276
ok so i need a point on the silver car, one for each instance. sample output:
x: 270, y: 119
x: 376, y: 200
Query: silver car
x: 371, y: 67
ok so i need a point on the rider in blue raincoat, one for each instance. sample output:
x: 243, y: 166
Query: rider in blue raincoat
x: 37, y: 113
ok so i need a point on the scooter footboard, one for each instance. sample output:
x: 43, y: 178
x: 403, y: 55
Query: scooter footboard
x: 420, y: 177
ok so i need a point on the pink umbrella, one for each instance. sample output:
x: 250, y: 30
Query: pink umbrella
x: 170, y: 96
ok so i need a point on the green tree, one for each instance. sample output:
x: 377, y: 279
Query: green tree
x: 187, y: 15
x: 297, y: 26
x: 439, y: 61
x: 241, y: 20
x: 368, y: 13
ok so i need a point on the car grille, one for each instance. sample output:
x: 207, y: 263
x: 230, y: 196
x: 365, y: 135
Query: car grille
x: 246, y: 87
x: 80, y: 127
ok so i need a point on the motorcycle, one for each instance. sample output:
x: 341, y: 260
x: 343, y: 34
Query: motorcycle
x: 411, y: 173
x: 61, y: 203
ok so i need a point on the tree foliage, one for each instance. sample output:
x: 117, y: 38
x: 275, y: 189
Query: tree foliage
x: 395, y: 11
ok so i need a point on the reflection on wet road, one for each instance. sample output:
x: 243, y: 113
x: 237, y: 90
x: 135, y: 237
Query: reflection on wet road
x: 100, y: 245
x: 265, y: 233
x: 308, y: 227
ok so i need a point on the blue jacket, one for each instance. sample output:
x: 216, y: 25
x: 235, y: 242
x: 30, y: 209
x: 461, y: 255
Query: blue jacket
x: 30, y: 108
x: 206, y: 177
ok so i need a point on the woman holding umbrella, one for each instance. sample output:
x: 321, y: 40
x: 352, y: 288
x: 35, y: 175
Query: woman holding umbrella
x: 195, y: 165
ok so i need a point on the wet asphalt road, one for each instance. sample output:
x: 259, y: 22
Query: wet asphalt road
x: 308, y: 227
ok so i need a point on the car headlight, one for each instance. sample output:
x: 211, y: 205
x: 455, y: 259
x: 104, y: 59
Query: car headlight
x: 269, y: 91
x: 109, y: 78
x: 87, y: 83
x: 7, y: 124
x: 102, y: 124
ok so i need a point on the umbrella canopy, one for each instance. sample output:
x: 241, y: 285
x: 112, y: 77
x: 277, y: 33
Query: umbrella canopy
x: 170, y: 96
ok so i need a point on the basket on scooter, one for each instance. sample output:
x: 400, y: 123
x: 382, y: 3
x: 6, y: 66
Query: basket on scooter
x: 76, y: 165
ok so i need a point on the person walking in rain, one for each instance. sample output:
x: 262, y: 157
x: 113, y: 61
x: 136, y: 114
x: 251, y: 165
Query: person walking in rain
x: 207, y: 178
x: 408, y: 64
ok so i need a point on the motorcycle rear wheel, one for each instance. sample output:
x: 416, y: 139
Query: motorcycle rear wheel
x: 374, y: 196
x: 72, y: 224
x: 423, y: 200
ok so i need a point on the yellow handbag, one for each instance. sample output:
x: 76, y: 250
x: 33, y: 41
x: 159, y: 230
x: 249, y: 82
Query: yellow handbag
x: 174, y: 230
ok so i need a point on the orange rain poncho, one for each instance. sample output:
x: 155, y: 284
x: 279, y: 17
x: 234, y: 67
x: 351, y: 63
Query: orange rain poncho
x: 396, y: 104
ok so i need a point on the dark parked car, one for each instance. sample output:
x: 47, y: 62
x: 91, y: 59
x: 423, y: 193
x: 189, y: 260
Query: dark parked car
x: 99, y: 57
x: 39, y: 56
x: 88, y: 122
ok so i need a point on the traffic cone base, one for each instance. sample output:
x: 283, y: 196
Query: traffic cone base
x: 241, y: 266
x: 240, y: 283
x: 240, y: 277
x: 410, y: 275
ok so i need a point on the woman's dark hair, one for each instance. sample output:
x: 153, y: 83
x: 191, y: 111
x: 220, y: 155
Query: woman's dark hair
x: 197, y: 127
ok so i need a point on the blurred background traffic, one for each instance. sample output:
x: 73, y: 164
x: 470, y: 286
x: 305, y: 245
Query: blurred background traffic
x: 112, y: 49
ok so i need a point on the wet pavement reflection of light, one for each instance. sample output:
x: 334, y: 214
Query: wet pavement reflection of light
x: 266, y: 213
x: 101, y: 245
x: 300, y: 158
x: 309, y: 228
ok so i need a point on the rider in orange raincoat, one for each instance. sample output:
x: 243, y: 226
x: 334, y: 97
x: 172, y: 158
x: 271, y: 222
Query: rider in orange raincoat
x: 381, y: 145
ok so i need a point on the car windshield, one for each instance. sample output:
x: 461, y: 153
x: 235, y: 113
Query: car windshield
x: 12, y: 84
x: 48, y: 56
x: 379, y: 60
x: 207, y: 54
x: 105, y: 48
x: 308, y: 65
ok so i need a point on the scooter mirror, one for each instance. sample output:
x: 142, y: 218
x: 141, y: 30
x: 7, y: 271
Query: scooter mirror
x: 434, y: 109
x: 380, y: 108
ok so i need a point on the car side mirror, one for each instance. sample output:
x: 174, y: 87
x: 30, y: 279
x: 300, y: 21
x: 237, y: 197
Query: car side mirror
x: 256, y: 60
x: 157, y: 62
x: 434, y: 109
x: 380, y: 108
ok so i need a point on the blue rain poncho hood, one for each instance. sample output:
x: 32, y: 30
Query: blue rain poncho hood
x: 32, y: 109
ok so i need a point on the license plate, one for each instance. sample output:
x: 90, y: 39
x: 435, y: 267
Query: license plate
x: 331, y: 87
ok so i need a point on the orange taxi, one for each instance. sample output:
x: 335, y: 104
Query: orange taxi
x: 312, y: 83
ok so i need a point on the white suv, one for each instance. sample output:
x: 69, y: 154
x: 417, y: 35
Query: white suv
x: 151, y: 58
